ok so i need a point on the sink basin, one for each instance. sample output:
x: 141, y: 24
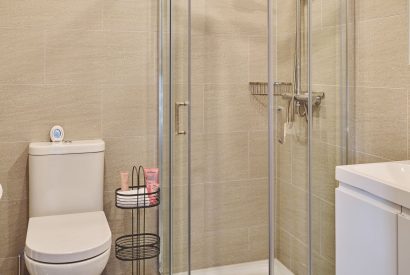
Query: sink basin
x: 387, y: 180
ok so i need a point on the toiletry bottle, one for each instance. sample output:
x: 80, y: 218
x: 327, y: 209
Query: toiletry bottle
x: 124, y: 181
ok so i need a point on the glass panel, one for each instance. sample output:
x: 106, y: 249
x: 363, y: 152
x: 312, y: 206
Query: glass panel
x: 328, y: 139
x: 292, y: 216
x: 229, y: 136
x: 229, y: 141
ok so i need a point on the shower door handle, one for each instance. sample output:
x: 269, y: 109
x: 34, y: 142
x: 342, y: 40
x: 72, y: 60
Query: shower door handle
x: 178, y: 106
x: 281, y: 125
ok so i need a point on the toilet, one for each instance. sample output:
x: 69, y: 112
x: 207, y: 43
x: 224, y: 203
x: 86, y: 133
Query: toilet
x: 68, y: 232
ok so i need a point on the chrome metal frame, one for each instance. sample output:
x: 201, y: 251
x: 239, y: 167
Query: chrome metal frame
x: 272, y: 135
x: 160, y: 119
x: 189, y: 135
x: 310, y: 132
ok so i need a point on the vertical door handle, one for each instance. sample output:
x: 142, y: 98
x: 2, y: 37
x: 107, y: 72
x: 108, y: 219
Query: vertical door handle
x: 178, y: 106
x: 281, y: 125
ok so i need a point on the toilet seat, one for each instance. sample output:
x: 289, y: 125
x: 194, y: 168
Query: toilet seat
x: 67, y: 238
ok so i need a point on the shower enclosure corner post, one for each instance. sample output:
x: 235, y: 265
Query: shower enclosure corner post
x: 310, y: 134
x: 272, y: 135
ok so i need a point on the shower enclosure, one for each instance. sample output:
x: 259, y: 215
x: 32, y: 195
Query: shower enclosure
x: 253, y: 119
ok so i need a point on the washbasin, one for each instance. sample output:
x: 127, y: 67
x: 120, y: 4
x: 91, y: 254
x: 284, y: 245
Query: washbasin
x: 387, y: 180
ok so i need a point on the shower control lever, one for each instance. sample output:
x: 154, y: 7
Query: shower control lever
x: 178, y: 106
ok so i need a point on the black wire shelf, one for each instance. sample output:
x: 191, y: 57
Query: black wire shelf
x: 137, y: 247
x: 136, y: 200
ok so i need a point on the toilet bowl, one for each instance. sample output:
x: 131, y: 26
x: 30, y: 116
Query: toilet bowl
x: 68, y: 244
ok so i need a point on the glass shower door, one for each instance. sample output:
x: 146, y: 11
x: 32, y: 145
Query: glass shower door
x: 248, y: 166
x: 218, y: 168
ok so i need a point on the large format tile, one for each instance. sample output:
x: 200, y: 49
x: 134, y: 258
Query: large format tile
x: 216, y: 157
x: 122, y: 153
x: 220, y: 59
x: 21, y: 56
x: 372, y: 9
x: 382, y: 52
x: 292, y: 210
x: 230, y: 108
x: 129, y: 111
x: 130, y: 58
x: 232, y: 16
x: 127, y: 15
x: 13, y: 225
x: 258, y: 155
x: 13, y: 170
x: 44, y: 14
x: 28, y: 112
x: 9, y: 266
x: 381, y: 116
x: 237, y: 204
x: 74, y: 57
x: 220, y: 247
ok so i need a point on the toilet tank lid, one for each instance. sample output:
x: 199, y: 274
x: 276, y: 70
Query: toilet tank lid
x: 66, y: 147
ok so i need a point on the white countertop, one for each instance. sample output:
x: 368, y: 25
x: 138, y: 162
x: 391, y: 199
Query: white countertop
x: 387, y: 180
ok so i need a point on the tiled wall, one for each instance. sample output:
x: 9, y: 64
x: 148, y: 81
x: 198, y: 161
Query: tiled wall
x: 89, y: 65
x: 382, y: 80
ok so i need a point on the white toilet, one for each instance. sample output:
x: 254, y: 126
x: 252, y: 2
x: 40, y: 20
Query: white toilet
x: 68, y: 232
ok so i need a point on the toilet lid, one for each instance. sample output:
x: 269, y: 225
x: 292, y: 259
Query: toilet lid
x: 67, y: 238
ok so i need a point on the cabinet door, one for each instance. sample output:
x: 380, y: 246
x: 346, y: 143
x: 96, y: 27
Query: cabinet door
x: 404, y: 242
x: 366, y: 235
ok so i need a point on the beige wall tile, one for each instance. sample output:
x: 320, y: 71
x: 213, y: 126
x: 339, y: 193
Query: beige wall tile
x: 231, y: 108
x: 28, y: 112
x: 74, y: 57
x: 325, y: 68
x: 220, y: 248
x: 283, y: 246
x: 218, y: 158
x: 329, y: 116
x: 327, y: 229
x: 284, y: 160
x: 225, y: 206
x: 285, y: 56
x: 258, y: 154
x: 13, y: 170
x: 126, y: 15
x: 220, y: 59
x: 21, y: 56
x: 382, y: 52
x: 321, y: 266
x: 300, y: 161
x: 13, y: 225
x: 43, y: 14
x: 299, y: 252
x: 258, y: 58
x: 325, y: 158
x: 375, y: 128
x: 331, y: 10
x: 129, y: 110
x: 258, y: 236
x: 371, y: 9
x: 232, y: 16
x: 130, y: 58
x: 292, y: 210
x: 122, y: 153
x: 9, y: 266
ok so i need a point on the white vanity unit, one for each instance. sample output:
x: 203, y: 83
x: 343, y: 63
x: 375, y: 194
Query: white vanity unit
x: 373, y: 219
